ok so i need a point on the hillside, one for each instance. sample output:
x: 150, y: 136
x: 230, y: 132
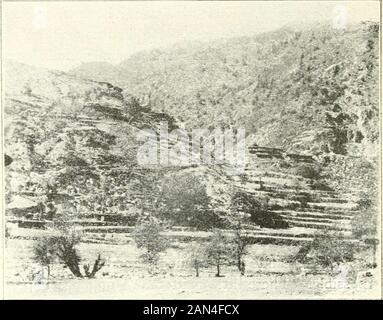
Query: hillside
x: 308, y: 98
x: 72, y: 141
x: 313, y: 90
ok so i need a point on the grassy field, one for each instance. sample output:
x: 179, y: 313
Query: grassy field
x: 269, y: 274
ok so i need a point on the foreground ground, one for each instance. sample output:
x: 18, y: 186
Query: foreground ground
x: 269, y: 274
x: 166, y: 287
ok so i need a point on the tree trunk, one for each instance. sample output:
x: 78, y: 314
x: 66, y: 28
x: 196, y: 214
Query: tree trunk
x: 218, y: 271
x: 69, y: 256
x: 239, y: 262
x: 196, y: 271
x: 98, y: 264
x: 242, y: 268
x: 75, y: 269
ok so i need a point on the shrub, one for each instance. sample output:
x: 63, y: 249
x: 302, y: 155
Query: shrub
x: 283, y: 164
x: 326, y: 249
x: 320, y: 185
x: 184, y: 201
x: 63, y: 247
x: 7, y: 233
x: 308, y: 171
x: 258, y: 209
x: 364, y: 224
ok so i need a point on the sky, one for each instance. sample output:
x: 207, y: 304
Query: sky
x: 61, y: 35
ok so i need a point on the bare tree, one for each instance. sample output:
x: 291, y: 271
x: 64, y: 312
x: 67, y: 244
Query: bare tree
x: 240, y: 243
x: 197, y: 258
x: 218, y: 251
x: 149, y: 239
x: 44, y: 252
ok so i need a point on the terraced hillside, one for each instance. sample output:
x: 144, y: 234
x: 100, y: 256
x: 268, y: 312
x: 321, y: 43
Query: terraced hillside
x: 294, y: 198
x: 305, y: 204
x: 310, y: 90
x: 73, y: 144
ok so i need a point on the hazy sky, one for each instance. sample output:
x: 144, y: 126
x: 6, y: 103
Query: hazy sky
x: 61, y: 35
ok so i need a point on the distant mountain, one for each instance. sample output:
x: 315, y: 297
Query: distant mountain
x: 311, y: 89
x: 99, y: 71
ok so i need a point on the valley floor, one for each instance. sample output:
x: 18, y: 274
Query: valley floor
x: 204, y: 287
x: 269, y: 275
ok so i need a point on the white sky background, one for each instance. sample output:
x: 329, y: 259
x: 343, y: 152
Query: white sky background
x: 61, y: 35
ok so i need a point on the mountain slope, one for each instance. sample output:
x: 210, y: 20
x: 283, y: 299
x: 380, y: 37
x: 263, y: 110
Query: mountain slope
x: 314, y: 89
x: 73, y: 142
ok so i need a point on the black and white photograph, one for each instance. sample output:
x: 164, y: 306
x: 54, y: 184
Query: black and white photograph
x: 186, y: 150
